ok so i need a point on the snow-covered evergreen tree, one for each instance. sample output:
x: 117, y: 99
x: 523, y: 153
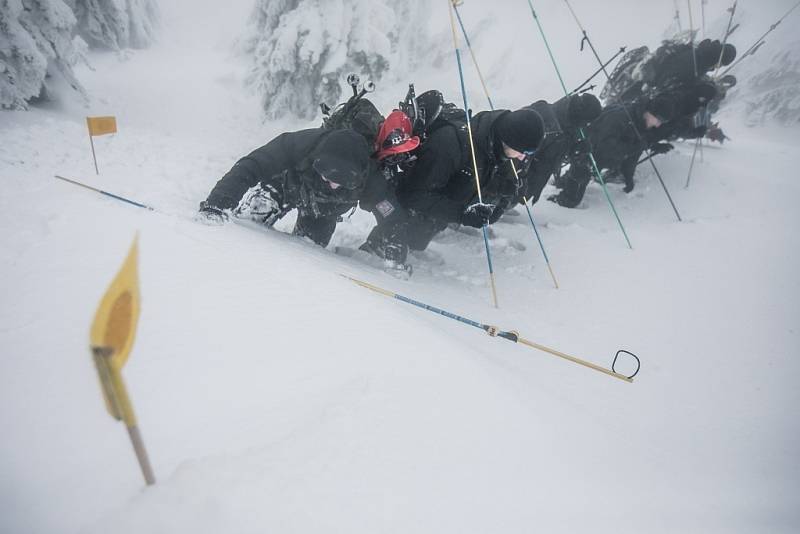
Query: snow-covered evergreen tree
x: 36, y: 50
x: 773, y: 92
x: 303, y: 49
x: 116, y: 24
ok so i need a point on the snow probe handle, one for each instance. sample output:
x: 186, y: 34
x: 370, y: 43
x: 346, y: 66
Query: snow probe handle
x: 590, y: 365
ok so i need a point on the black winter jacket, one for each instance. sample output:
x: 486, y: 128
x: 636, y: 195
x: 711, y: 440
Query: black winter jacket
x: 284, y: 166
x: 560, y: 145
x: 615, y: 144
x: 442, y: 183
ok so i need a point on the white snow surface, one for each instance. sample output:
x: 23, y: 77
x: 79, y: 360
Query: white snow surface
x: 276, y: 396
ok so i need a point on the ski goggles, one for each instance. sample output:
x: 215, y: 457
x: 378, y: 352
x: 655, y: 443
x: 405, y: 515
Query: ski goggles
x: 331, y: 183
x: 339, y: 173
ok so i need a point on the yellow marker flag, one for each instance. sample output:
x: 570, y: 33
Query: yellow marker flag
x: 111, y: 339
x: 101, y: 125
x: 114, y: 325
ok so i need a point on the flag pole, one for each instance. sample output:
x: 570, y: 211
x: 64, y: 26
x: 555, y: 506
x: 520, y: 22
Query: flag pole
x: 94, y: 156
x: 111, y: 338
x: 120, y: 407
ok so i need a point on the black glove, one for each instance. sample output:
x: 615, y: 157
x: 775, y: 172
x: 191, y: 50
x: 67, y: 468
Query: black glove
x: 715, y: 134
x: 388, y: 241
x: 629, y: 183
x: 210, y: 215
x: 477, y: 215
x: 661, y: 148
x: 564, y: 200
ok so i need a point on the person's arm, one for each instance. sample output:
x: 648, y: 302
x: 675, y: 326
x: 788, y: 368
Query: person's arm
x: 379, y: 197
x: 260, y: 165
x: 422, y: 189
x: 628, y: 169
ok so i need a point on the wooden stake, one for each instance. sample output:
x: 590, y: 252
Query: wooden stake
x: 120, y: 407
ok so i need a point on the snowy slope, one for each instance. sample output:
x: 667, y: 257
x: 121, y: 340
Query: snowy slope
x: 276, y: 396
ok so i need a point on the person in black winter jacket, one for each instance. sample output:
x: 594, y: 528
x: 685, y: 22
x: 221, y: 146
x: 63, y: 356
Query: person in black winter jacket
x: 691, y: 114
x: 394, y: 148
x: 441, y: 187
x: 321, y: 172
x: 562, y: 142
x: 674, y: 65
x: 615, y: 145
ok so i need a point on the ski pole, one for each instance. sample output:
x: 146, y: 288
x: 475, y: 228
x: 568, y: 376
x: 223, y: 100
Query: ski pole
x: 598, y: 71
x: 728, y: 32
x: 703, y: 15
x: 691, y: 36
x: 697, y: 143
x: 450, y: 7
x: 509, y: 335
x: 760, y: 41
x: 511, y: 162
x: 677, y: 16
x: 535, y: 230
x: 472, y: 53
x: 117, y: 197
x: 624, y: 107
x: 580, y: 130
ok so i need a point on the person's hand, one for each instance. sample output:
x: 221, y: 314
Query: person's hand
x: 715, y: 133
x: 629, y: 185
x: 661, y: 148
x: 477, y: 215
x: 210, y: 215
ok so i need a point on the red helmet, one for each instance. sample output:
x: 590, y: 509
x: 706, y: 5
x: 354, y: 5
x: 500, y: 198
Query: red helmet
x: 394, y: 136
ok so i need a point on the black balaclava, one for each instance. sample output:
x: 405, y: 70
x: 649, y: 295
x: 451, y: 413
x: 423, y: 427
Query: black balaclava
x: 521, y: 130
x: 342, y: 157
x: 661, y: 107
x: 583, y: 109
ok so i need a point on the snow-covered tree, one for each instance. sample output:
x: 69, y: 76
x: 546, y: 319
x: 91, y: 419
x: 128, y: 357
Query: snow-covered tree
x: 36, y: 50
x: 773, y: 92
x: 116, y: 24
x: 302, y: 49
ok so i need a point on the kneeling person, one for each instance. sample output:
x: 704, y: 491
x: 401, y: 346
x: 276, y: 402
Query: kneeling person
x: 322, y: 173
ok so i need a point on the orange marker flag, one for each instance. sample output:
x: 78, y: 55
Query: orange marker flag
x: 111, y: 339
x: 100, y: 126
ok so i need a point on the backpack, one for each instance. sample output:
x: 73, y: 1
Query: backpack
x: 450, y: 115
x: 624, y: 79
x: 357, y: 114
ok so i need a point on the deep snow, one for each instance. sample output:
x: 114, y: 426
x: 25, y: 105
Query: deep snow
x: 274, y: 395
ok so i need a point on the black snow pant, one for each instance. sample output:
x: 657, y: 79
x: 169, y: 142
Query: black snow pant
x: 318, y: 229
x: 573, y: 185
x: 421, y: 230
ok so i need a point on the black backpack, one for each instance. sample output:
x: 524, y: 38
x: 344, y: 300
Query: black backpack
x: 357, y: 114
x: 623, y: 82
x: 450, y: 115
